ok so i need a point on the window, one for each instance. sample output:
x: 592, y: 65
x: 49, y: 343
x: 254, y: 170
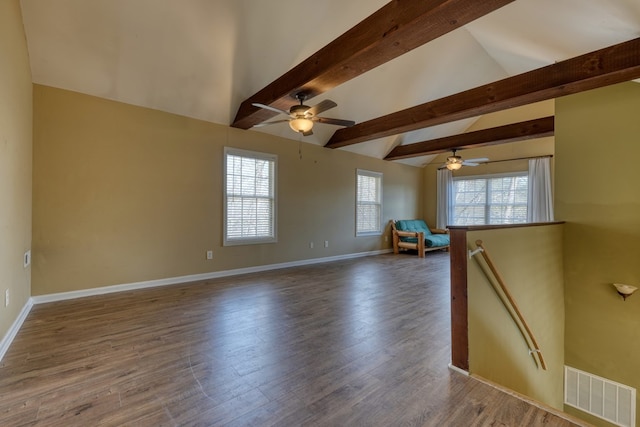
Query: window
x: 492, y: 199
x: 368, y: 203
x: 249, y: 205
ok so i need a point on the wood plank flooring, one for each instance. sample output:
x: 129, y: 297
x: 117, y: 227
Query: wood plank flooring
x: 361, y: 342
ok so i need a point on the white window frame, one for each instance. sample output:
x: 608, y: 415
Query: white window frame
x: 251, y: 240
x: 378, y: 203
x: 487, y: 205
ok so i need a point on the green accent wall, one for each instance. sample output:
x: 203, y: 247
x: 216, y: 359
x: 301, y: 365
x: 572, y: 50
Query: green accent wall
x: 530, y: 261
x: 598, y: 195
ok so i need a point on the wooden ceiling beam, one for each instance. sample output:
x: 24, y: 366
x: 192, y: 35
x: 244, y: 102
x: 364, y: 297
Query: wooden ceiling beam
x: 614, y: 64
x: 530, y: 129
x: 393, y: 30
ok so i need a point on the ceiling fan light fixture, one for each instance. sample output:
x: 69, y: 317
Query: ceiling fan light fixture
x: 301, y: 124
x: 454, y: 163
x: 301, y: 117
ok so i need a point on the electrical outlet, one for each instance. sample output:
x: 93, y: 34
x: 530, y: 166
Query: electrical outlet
x: 209, y: 254
x: 310, y: 245
x: 326, y: 243
x: 27, y: 258
x: 6, y: 298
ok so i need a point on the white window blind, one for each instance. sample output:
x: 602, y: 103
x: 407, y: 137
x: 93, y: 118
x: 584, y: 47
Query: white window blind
x: 368, y: 203
x: 490, y: 199
x: 250, y: 208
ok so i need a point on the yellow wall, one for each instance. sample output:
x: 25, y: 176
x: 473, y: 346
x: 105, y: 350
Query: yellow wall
x: 531, y: 148
x: 530, y: 261
x: 597, y: 143
x: 125, y: 194
x: 15, y: 163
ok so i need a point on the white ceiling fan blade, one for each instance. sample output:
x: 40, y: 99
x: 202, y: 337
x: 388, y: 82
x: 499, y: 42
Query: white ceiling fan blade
x: 269, y: 107
x: 478, y: 160
x: 465, y: 163
x: 259, y: 125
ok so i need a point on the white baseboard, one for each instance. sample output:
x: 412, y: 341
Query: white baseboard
x: 458, y: 370
x: 61, y: 296
x: 15, y: 327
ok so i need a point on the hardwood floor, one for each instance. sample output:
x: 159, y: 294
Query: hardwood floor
x: 361, y: 342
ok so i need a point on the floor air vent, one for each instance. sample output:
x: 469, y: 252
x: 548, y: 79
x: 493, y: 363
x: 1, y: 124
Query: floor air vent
x: 598, y: 396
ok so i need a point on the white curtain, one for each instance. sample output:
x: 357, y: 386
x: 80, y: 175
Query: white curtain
x: 540, y: 207
x: 444, y: 214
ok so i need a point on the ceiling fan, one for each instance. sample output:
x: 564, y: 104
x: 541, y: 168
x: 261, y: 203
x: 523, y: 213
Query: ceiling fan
x: 302, y: 117
x: 454, y: 162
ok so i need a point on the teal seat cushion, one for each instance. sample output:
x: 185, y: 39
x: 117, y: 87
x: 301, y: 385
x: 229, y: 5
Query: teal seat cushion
x: 409, y: 239
x: 436, y: 240
x: 413, y: 225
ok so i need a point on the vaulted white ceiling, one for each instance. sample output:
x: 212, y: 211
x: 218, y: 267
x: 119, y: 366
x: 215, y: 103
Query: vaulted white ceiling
x: 202, y: 58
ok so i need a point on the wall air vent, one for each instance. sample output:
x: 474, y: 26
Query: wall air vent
x: 600, y: 397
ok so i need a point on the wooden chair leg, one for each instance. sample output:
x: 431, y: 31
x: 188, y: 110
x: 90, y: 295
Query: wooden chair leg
x: 421, y: 245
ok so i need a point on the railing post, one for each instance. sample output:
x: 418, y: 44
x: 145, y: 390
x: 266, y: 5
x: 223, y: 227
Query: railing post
x: 459, y: 318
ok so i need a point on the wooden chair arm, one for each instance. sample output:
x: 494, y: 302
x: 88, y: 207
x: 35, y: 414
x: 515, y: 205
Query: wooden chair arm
x: 406, y: 233
x: 439, y: 231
